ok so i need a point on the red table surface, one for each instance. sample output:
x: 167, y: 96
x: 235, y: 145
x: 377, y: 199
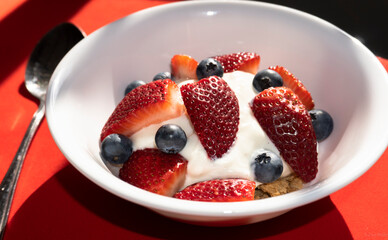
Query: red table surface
x: 54, y: 201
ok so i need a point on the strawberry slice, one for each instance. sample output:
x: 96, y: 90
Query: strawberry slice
x: 145, y: 105
x: 288, y: 124
x: 219, y: 190
x: 183, y: 67
x: 214, y: 112
x: 155, y: 171
x: 290, y: 81
x: 242, y: 61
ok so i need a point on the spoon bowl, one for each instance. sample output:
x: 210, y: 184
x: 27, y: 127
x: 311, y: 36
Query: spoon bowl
x: 42, y: 63
x: 46, y: 56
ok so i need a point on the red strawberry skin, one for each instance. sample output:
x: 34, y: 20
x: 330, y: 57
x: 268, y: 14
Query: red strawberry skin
x: 183, y: 67
x: 243, y: 61
x: 219, y: 190
x: 145, y: 105
x: 287, y: 123
x: 155, y: 171
x: 214, y: 112
x: 290, y: 81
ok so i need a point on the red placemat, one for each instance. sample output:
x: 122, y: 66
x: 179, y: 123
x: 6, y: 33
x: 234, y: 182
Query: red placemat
x: 54, y: 201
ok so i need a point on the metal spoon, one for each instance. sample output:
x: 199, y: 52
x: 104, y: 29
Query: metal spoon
x: 43, y: 60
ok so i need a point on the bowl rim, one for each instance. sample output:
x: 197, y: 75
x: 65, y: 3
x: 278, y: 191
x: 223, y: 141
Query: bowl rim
x: 150, y: 200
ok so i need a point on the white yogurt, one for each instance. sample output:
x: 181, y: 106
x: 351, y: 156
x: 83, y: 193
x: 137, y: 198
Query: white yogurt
x: 236, y: 163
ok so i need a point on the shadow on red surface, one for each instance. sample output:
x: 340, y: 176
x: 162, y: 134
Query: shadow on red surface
x: 69, y: 206
x: 27, y: 24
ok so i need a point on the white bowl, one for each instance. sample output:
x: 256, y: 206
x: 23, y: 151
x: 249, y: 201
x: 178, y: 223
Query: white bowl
x: 344, y: 77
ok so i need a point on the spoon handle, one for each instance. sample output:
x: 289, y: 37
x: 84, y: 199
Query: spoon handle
x: 8, y: 185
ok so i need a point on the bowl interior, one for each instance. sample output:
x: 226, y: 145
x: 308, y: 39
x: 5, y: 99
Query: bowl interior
x: 343, y: 76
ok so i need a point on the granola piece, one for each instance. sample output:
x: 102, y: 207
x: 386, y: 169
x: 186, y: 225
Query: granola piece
x: 281, y: 186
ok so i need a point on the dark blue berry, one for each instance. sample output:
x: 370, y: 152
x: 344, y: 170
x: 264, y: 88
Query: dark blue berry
x: 116, y: 148
x: 170, y: 138
x: 133, y: 85
x: 162, y: 75
x: 265, y: 79
x: 267, y: 166
x: 209, y: 67
x: 322, y: 123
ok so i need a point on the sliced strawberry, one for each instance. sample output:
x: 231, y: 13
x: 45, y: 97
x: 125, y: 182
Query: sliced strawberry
x: 290, y: 81
x: 155, y: 171
x: 145, y: 105
x: 183, y: 67
x: 243, y: 61
x: 288, y: 124
x: 219, y: 190
x: 214, y: 112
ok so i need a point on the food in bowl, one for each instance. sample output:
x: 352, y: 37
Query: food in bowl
x: 218, y: 130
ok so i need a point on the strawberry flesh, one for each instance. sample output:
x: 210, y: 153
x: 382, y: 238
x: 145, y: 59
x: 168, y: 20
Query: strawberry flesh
x: 147, y: 104
x: 219, y: 190
x: 183, y: 67
x: 214, y: 112
x: 290, y: 81
x: 155, y: 171
x: 242, y: 61
x: 288, y: 124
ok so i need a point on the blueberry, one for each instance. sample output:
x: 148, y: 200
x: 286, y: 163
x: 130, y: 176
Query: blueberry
x: 133, y: 85
x: 116, y: 148
x: 267, y: 78
x: 322, y: 123
x: 170, y: 138
x: 267, y: 166
x: 209, y: 67
x: 162, y: 75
